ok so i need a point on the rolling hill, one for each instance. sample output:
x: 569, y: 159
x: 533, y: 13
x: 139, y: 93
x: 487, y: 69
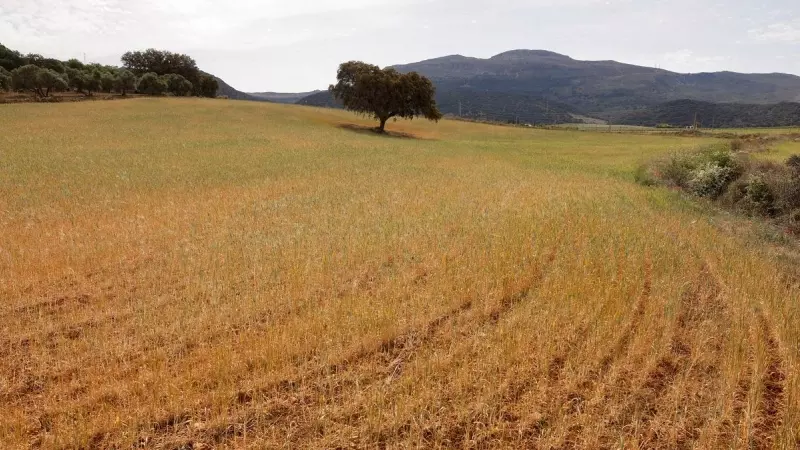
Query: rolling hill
x: 517, y: 81
x: 229, y: 91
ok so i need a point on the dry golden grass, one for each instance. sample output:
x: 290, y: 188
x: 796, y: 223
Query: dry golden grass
x: 199, y: 273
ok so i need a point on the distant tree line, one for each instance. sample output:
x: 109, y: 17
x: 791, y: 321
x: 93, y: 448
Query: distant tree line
x: 150, y: 72
x: 683, y: 113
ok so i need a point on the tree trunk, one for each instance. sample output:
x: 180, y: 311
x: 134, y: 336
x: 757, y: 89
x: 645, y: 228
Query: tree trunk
x: 382, y: 127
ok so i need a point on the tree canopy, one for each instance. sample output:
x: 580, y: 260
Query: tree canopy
x: 38, y: 80
x: 10, y: 59
x: 152, y: 84
x: 178, y: 85
x: 384, y: 93
x: 5, y: 82
x: 125, y: 82
x: 207, y: 86
x: 161, y: 62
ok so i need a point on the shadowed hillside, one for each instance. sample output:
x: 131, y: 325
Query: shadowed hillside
x: 716, y: 115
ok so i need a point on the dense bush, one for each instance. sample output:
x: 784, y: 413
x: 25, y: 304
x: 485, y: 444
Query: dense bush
x: 151, y: 84
x: 645, y: 176
x: 107, y: 82
x: 710, y: 179
x: 49, y: 80
x: 5, y: 82
x: 759, y: 198
x: 706, y: 172
x: 736, y: 181
x: 125, y: 82
x: 207, y: 87
x: 177, y: 85
x: 38, y: 80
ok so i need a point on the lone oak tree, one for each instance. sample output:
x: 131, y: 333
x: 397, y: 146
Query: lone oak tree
x: 384, y: 93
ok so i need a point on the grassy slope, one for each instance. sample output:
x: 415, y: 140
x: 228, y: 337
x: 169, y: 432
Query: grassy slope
x: 252, y: 275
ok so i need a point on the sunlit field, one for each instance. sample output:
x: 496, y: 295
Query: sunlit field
x: 751, y: 131
x: 780, y: 151
x: 222, y: 274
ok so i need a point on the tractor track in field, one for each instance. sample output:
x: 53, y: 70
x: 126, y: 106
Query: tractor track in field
x: 277, y: 405
x: 693, y: 359
x: 455, y: 431
x: 771, y: 405
x: 643, y: 412
x: 729, y: 432
x: 573, y: 403
x: 759, y: 430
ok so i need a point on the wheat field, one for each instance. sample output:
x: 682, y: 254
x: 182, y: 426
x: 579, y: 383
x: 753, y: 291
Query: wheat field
x: 220, y: 274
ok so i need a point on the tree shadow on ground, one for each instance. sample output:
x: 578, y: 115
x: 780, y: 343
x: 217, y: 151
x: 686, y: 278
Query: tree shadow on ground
x: 362, y: 129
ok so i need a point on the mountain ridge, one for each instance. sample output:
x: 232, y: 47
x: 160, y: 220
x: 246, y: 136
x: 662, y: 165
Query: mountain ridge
x: 605, y: 89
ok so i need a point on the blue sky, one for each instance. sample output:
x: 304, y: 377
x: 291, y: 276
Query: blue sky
x: 296, y: 46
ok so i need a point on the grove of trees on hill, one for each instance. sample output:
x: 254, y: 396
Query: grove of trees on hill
x: 151, y: 72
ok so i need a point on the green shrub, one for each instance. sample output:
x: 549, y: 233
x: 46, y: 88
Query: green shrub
x: 644, y: 176
x: 735, y: 193
x: 787, y: 191
x: 794, y: 163
x: 759, y: 197
x: 151, y: 84
x: 710, y: 180
x: 793, y: 221
x: 718, y: 155
x: 676, y: 170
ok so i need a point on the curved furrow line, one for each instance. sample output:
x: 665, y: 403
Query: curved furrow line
x: 761, y: 430
x: 515, y: 427
x: 277, y: 405
x: 575, y: 400
x: 730, y: 433
x: 772, y: 405
x: 286, y: 397
x: 516, y: 293
x: 625, y: 413
x: 696, y: 351
x: 639, y: 406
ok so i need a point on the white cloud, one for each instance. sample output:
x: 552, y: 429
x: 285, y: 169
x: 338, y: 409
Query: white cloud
x: 685, y: 60
x: 678, y: 57
x: 296, y: 44
x: 788, y: 32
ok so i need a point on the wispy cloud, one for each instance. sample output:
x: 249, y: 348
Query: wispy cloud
x: 686, y: 60
x: 296, y: 44
x: 788, y: 32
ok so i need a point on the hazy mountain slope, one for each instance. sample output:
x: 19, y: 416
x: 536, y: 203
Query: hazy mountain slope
x: 600, y: 87
x: 543, y: 86
x: 229, y: 91
x: 481, y: 105
x: 718, y: 115
x: 282, y: 97
x: 321, y: 98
